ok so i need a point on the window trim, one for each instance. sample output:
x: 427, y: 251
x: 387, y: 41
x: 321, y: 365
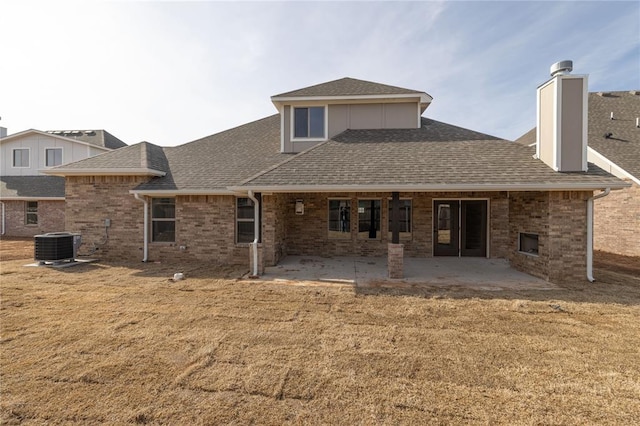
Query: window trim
x: 27, y: 213
x: 292, y: 123
x: 153, y: 220
x: 378, y: 232
x: 13, y: 158
x: 406, y: 236
x: 46, y: 157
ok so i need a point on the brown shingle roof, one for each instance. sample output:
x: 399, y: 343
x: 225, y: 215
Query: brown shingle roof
x: 94, y: 137
x: 31, y: 187
x: 348, y: 87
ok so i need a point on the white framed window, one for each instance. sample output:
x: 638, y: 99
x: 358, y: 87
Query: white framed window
x: 405, y: 218
x: 21, y: 157
x: 339, y: 219
x: 369, y: 219
x: 31, y: 213
x: 246, y: 220
x: 309, y: 123
x: 163, y: 220
x: 52, y: 157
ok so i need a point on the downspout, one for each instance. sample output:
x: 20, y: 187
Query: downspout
x: 590, y: 232
x: 145, y: 249
x: 256, y: 231
x: 2, y: 202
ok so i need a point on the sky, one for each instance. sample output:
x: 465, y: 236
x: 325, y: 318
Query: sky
x: 173, y: 72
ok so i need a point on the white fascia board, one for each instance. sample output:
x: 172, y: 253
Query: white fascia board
x: 104, y: 172
x: 424, y: 98
x: 174, y: 192
x: 435, y: 187
x: 40, y: 132
x: 609, y: 166
x: 31, y: 198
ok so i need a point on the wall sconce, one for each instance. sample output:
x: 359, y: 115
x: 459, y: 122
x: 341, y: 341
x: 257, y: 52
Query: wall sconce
x: 299, y: 207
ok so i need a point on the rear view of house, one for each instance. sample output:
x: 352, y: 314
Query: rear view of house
x: 349, y: 168
x: 32, y: 202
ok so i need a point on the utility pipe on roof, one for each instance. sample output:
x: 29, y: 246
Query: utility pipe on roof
x: 256, y: 231
x: 590, y: 232
x: 145, y: 250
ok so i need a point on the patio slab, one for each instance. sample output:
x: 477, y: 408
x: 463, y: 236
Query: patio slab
x: 478, y: 273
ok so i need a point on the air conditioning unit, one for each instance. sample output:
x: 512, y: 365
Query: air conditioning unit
x: 56, y: 247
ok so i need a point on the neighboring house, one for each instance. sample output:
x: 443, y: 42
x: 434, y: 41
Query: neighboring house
x: 32, y: 202
x: 345, y: 168
x: 614, y: 145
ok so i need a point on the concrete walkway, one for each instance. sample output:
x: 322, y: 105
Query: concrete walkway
x: 478, y: 273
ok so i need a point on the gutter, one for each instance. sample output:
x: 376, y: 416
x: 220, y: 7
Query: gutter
x: 145, y: 251
x: 3, y: 228
x: 256, y: 231
x: 590, y: 232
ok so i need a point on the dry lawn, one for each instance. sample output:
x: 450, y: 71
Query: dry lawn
x: 122, y: 344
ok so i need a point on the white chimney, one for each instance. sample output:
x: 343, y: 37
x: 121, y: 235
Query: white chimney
x: 562, y: 120
x: 3, y: 132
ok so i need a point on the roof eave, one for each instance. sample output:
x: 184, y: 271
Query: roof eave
x: 18, y: 198
x: 590, y: 186
x: 424, y: 98
x: 175, y: 192
x: 106, y: 172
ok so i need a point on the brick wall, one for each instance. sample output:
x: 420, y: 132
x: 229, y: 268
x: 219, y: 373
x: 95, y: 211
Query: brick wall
x: 560, y: 221
x: 50, y: 218
x: 617, y: 222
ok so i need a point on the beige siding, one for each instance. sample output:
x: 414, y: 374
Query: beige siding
x: 546, y: 126
x: 571, y: 148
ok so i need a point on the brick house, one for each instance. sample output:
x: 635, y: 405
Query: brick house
x: 345, y: 168
x: 31, y: 202
x: 614, y: 146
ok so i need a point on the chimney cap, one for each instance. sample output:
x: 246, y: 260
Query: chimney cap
x: 561, y: 68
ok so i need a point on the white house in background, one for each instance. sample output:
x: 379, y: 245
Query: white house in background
x: 30, y: 201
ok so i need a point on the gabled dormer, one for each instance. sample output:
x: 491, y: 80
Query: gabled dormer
x: 316, y: 113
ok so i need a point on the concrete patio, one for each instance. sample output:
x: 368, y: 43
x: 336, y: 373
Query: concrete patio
x: 472, y: 272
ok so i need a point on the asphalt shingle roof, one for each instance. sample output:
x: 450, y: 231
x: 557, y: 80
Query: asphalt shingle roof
x: 141, y: 155
x: 348, y: 87
x: 623, y: 146
x: 94, y: 137
x: 435, y: 154
x: 31, y: 186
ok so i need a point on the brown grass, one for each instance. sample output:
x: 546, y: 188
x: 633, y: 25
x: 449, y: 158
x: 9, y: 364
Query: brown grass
x: 123, y: 344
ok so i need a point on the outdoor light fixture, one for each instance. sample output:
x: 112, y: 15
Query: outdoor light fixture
x: 299, y: 207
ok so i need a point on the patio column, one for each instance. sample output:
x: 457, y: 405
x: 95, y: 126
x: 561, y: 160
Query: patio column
x: 395, y: 250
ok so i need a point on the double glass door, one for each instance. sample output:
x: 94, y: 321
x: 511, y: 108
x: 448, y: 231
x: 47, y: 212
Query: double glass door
x: 460, y: 228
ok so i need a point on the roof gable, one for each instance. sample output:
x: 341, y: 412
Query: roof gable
x: 96, y: 138
x: 348, y: 87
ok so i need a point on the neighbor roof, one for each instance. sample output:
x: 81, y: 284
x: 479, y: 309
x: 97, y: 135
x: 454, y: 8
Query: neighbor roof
x: 623, y: 146
x: 348, y: 87
x: 38, y: 187
x: 437, y: 156
x: 94, y: 137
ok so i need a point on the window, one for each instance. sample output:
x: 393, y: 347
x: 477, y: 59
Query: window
x: 31, y: 213
x: 528, y: 243
x: 369, y: 219
x: 340, y: 219
x: 308, y: 123
x: 405, y: 218
x: 163, y: 219
x: 53, y: 157
x: 245, y: 220
x: 21, y: 157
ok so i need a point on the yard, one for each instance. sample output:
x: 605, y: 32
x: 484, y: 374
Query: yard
x: 118, y: 344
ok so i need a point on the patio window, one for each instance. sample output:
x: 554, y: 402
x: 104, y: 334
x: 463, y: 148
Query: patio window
x: 245, y: 220
x: 405, y: 218
x: 369, y: 219
x: 163, y: 220
x: 31, y: 213
x: 340, y: 219
x: 528, y: 243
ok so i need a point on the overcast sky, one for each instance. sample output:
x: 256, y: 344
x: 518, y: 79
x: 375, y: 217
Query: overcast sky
x: 172, y: 72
